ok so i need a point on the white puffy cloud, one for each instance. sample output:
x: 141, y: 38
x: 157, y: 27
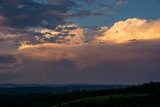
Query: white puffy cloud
x: 131, y: 30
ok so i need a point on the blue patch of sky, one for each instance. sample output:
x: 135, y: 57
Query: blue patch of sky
x: 41, y: 1
x: 92, y: 20
x: 146, y: 9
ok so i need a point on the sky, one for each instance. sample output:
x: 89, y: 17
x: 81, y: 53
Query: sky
x: 79, y: 41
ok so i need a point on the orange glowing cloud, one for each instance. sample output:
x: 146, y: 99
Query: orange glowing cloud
x: 132, y: 29
x: 85, y: 55
x: 112, y: 48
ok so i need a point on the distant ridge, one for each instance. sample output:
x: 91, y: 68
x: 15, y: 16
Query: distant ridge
x: 11, y: 85
x: 36, y: 88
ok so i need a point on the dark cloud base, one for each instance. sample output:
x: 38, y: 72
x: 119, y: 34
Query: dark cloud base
x: 114, y: 64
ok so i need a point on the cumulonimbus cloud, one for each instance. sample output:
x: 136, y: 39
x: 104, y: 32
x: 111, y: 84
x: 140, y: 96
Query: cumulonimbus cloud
x: 115, y: 44
x: 48, y: 59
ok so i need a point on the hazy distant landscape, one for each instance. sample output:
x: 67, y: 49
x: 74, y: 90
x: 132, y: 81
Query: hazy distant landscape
x: 13, y: 89
x: 145, y: 95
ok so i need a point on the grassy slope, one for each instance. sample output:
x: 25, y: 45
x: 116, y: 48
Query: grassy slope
x: 119, y: 100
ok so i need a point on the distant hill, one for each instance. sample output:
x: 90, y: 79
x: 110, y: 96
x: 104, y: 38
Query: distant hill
x: 14, y: 89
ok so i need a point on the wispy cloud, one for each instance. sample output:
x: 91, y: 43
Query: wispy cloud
x: 119, y: 3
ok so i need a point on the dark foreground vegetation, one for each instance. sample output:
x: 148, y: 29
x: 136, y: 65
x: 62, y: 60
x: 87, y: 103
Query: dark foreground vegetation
x: 146, y: 95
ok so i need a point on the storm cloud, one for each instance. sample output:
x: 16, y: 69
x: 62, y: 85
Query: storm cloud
x: 96, y: 61
x: 47, y: 42
x: 91, y: 63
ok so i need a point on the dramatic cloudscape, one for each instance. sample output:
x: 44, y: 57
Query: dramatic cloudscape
x: 79, y: 41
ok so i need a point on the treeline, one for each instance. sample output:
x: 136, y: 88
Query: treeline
x: 49, y: 99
